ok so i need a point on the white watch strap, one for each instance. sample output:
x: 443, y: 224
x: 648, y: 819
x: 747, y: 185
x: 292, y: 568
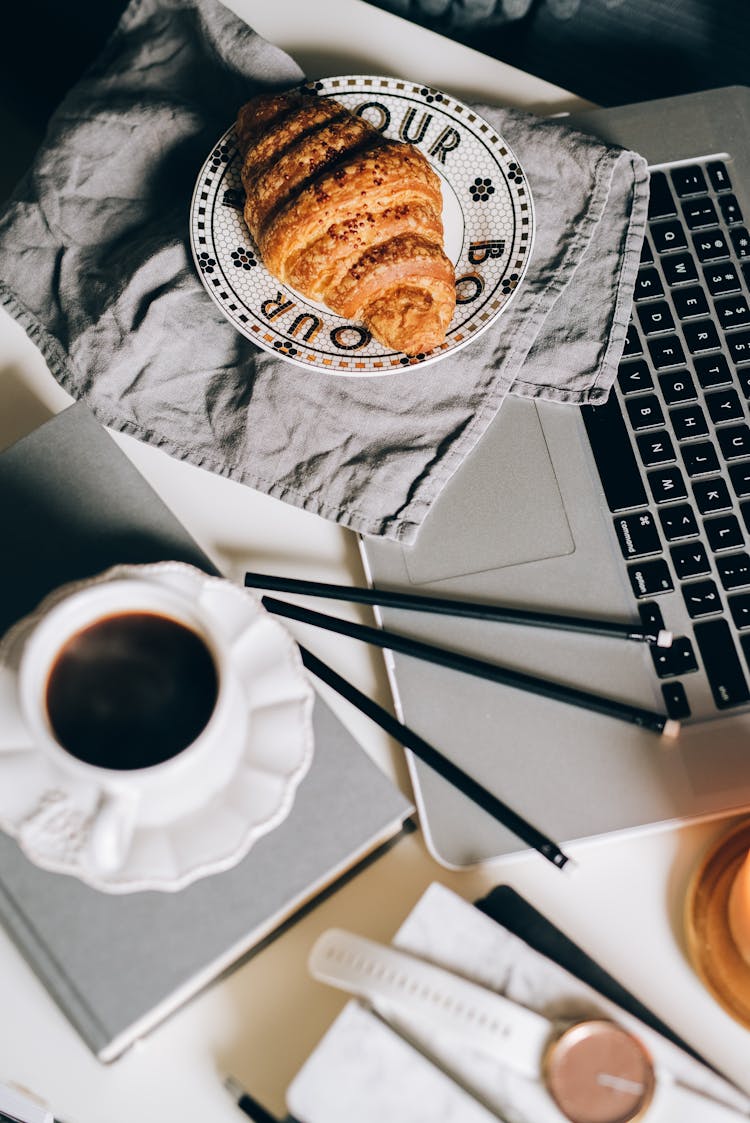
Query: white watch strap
x: 396, y: 982
x: 393, y: 979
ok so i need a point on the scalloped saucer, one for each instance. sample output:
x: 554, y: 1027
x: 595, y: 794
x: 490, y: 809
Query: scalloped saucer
x: 41, y: 806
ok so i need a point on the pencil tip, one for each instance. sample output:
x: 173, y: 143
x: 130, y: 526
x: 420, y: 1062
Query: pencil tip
x: 671, y: 729
x: 570, y: 867
x: 234, y: 1087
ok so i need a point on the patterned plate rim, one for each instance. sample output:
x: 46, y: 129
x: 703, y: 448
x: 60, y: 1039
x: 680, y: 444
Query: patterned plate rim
x: 261, y: 331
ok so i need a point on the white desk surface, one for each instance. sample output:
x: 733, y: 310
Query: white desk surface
x: 622, y: 904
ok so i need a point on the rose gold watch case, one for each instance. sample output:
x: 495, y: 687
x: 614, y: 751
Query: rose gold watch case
x: 598, y: 1072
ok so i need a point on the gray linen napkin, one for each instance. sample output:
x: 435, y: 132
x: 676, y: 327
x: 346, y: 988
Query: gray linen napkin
x: 95, y: 264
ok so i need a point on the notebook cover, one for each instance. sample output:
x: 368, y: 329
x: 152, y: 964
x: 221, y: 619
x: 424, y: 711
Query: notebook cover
x: 72, y: 504
x: 510, y: 909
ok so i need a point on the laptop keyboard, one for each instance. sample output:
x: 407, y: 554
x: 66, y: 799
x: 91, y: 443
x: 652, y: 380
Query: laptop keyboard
x: 672, y: 444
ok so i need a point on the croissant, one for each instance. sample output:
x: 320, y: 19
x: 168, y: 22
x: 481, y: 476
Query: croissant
x: 347, y: 217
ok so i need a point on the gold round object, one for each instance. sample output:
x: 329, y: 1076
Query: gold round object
x: 711, y: 948
x: 598, y: 1072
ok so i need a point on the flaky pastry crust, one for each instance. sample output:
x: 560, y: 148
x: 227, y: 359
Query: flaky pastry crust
x: 347, y: 217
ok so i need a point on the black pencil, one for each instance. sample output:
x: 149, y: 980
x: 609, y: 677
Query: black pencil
x: 247, y: 1103
x: 437, y: 761
x: 443, y: 606
x: 380, y: 637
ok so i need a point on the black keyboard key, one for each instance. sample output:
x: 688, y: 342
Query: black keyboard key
x: 712, y: 370
x: 675, y: 700
x: 722, y: 279
x: 667, y: 484
x: 739, y: 606
x: 644, y: 412
x: 711, y: 246
x: 633, y: 345
x: 651, y: 617
x: 740, y: 241
x: 724, y: 405
x: 730, y: 209
x: 660, y: 202
x: 647, y: 254
x: 719, y: 176
x: 677, y: 387
x: 650, y: 578
x: 721, y: 663
x: 638, y: 535
x: 734, y: 570
x: 701, y: 335
x: 739, y: 346
x: 688, y: 181
x: 678, y: 522
x: 655, y: 448
x: 613, y: 452
x: 666, y: 352
x: 655, y: 317
x: 723, y: 533
x: 739, y: 474
x: 701, y: 598
x: 635, y: 376
x: 668, y: 236
x: 745, y: 267
x: 745, y: 512
x: 700, y: 212
x: 700, y: 458
x: 733, y: 311
x: 648, y: 284
x: 689, y: 421
x: 679, y: 659
x: 690, y: 302
x: 712, y: 495
x: 743, y: 375
x: 734, y: 441
x: 690, y: 560
x: 679, y: 269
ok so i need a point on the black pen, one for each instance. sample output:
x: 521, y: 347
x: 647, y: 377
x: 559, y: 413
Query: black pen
x: 249, y: 1105
x: 445, y: 606
x: 441, y: 764
x: 380, y: 637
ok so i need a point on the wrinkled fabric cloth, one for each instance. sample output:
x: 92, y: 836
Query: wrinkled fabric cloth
x: 95, y: 263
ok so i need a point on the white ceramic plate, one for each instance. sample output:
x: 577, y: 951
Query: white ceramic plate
x: 488, y: 217
x: 37, y: 806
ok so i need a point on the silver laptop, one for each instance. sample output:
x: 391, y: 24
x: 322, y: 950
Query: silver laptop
x: 637, y: 509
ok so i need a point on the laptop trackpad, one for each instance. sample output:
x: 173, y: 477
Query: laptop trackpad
x: 502, y: 507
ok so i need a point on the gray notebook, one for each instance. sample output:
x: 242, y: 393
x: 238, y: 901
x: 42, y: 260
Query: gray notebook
x: 72, y: 504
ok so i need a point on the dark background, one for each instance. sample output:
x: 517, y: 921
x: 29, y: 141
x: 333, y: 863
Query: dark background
x: 44, y: 48
x: 607, y: 51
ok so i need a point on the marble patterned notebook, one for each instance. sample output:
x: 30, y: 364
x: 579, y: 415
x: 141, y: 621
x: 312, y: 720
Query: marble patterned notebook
x: 364, y: 1069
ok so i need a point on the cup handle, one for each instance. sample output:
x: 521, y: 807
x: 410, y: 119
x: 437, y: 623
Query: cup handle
x: 112, y: 830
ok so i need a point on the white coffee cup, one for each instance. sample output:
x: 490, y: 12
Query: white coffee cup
x: 119, y: 798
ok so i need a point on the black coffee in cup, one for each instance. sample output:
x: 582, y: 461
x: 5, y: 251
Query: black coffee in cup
x: 131, y: 690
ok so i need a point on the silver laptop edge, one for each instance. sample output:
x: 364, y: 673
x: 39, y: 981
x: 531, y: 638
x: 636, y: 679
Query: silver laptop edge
x: 524, y: 522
